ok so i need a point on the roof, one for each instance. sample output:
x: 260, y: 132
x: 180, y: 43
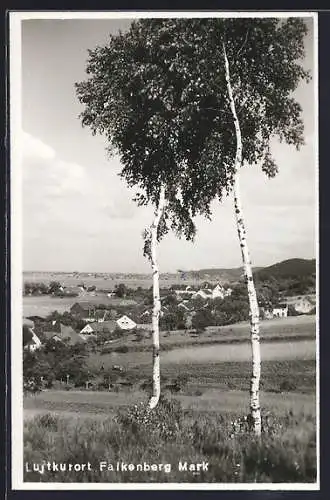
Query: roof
x: 84, y: 304
x: 105, y: 325
x: 28, y: 322
x: 68, y: 333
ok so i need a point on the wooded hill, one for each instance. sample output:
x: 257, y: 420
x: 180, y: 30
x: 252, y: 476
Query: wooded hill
x: 285, y: 269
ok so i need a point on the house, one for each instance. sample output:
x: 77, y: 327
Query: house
x: 33, y: 344
x: 280, y: 311
x: 68, y: 334
x: 183, y: 306
x: 31, y: 341
x: 218, y: 292
x: 63, y: 333
x: 83, y: 310
x: 266, y: 312
x: 302, y: 304
x: 125, y: 323
x: 205, y: 294
x: 95, y: 328
x: 305, y: 305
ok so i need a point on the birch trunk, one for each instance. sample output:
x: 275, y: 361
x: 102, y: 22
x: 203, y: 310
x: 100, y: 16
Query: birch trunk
x: 156, y: 301
x: 253, y: 302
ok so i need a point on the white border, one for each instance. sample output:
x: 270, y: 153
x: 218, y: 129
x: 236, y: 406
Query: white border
x: 317, y: 243
x: 15, y: 18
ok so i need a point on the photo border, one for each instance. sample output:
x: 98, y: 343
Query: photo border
x: 15, y: 255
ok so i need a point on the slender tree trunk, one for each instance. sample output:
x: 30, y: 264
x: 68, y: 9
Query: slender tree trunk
x: 253, y: 302
x: 156, y: 301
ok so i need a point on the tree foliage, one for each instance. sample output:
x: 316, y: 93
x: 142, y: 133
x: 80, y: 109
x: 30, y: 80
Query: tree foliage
x: 157, y: 92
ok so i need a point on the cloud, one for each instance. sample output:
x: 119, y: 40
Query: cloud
x: 35, y: 149
x: 65, y: 201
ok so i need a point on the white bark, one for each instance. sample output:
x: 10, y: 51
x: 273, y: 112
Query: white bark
x: 156, y: 301
x: 253, y: 302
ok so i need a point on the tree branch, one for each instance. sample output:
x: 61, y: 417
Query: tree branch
x: 246, y: 37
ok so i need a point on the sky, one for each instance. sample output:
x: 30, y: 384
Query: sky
x: 78, y: 215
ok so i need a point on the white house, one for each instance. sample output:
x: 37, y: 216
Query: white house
x: 125, y: 323
x: 34, y: 342
x: 99, y: 327
x: 280, y: 311
x: 304, y: 305
x: 218, y: 292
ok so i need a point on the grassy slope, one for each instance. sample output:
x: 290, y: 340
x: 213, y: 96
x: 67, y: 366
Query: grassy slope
x: 286, y: 451
x: 291, y: 328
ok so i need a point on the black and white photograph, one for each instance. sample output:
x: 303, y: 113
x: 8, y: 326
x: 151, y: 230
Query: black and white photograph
x: 164, y: 250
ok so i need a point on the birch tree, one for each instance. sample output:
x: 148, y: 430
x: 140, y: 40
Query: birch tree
x: 253, y: 68
x: 134, y: 100
x: 188, y: 103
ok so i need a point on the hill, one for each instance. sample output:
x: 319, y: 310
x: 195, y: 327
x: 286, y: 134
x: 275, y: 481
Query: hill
x: 288, y: 268
x: 217, y: 274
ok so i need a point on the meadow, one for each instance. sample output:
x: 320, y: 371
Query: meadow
x: 285, y: 453
x: 109, y: 281
x: 43, y: 305
x: 202, y: 417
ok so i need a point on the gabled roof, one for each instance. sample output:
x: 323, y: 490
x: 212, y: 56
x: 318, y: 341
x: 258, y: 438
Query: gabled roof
x: 28, y: 323
x: 110, y: 325
x: 68, y: 333
x: 85, y: 305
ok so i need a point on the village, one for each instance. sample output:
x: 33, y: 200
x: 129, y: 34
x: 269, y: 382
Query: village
x: 103, y: 316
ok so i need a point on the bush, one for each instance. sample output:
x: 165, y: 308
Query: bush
x: 164, y: 421
x: 287, y: 386
x: 122, y: 349
x: 48, y: 421
x: 286, y: 451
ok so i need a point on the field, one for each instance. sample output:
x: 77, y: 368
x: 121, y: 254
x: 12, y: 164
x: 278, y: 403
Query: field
x: 281, y: 329
x: 45, y: 304
x: 202, y: 421
x: 121, y: 445
x: 109, y: 281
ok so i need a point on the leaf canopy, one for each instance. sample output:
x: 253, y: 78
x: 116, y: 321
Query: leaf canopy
x: 158, y: 93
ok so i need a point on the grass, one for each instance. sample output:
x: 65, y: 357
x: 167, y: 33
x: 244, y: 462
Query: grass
x: 282, y: 329
x: 235, y: 376
x: 108, y: 428
x: 222, y: 387
x: 45, y: 304
x: 205, y: 354
x: 286, y: 451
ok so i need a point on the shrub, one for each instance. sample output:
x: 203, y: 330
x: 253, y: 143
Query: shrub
x: 48, y: 421
x: 122, y: 349
x: 165, y: 420
x: 287, y: 386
